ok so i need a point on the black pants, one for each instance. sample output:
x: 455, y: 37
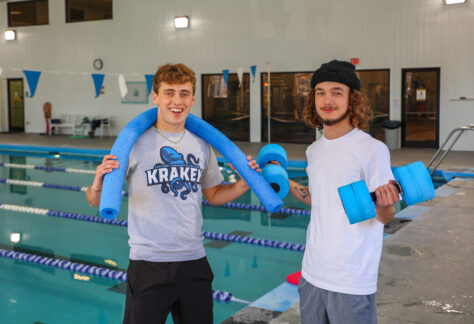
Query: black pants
x: 155, y: 289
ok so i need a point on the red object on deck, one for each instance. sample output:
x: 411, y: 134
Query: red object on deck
x: 294, y: 278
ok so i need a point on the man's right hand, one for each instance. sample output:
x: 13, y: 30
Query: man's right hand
x: 93, y: 193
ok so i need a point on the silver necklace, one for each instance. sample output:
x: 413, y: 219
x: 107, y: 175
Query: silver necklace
x: 174, y: 142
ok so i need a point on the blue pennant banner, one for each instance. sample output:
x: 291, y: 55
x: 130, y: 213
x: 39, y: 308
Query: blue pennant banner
x: 253, y: 68
x: 149, y: 82
x: 98, y: 81
x: 225, y: 73
x: 32, y: 78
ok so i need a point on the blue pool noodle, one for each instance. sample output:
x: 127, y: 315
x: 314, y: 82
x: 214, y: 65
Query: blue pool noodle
x: 111, y: 197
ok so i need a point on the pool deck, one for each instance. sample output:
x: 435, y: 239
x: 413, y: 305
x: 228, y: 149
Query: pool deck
x: 426, y: 270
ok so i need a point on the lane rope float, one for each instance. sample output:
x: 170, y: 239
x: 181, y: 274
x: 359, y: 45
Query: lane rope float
x: 45, y: 168
x: 224, y: 296
x: 119, y: 222
x: 230, y: 205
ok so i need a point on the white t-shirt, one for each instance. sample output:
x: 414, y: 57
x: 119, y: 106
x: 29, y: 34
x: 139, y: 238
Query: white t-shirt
x: 341, y: 257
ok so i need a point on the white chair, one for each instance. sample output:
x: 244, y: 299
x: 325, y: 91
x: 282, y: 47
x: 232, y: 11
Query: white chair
x: 65, y: 121
x: 81, y: 124
x: 104, y: 123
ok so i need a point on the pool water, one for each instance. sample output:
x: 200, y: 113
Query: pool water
x: 38, y: 294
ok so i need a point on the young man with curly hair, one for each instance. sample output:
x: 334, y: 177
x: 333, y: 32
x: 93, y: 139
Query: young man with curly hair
x: 169, y: 169
x: 340, y: 263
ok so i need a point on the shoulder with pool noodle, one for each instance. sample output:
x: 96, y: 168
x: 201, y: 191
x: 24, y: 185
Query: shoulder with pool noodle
x: 111, y: 197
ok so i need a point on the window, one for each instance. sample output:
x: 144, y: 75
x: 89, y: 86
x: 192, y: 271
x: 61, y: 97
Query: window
x: 227, y: 108
x: 376, y: 83
x: 28, y: 13
x: 85, y: 10
x: 289, y: 91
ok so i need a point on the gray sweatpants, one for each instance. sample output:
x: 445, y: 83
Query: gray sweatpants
x: 320, y: 306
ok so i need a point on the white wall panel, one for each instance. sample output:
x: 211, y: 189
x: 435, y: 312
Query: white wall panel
x: 294, y: 35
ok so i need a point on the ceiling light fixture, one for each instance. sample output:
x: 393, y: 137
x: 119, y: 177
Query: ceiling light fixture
x: 10, y: 34
x: 450, y: 2
x: 181, y: 22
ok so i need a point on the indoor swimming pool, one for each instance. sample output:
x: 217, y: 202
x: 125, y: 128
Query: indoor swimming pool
x: 37, y: 189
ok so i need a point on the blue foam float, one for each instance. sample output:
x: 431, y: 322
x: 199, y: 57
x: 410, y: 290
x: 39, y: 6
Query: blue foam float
x: 272, y: 152
x: 111, y: 197
x: 276, y: 175
x: 414, y: 184
x: 357, y: 202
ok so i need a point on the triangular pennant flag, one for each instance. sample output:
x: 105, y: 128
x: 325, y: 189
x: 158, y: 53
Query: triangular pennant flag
x: 253, y: 68
x: 1, y: 71
x: 122, y: 86
x: 32, y: 78
x: 225, y: 73
x: 149, y: 82
x: 240, y: 72
x: 98, y: 80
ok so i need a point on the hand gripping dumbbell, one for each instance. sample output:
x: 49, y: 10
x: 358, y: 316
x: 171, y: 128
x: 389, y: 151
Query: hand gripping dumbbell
x: 276, y: 175
x: 413, y: 183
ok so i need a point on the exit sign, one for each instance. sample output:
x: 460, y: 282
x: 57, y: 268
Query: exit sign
x: 355, y: 60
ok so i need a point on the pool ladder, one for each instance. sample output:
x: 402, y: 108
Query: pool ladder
x: 459, y: 131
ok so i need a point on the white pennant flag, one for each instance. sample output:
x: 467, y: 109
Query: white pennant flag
x: 122, y: 86
x: 1, y: 71
x: 240, y: 72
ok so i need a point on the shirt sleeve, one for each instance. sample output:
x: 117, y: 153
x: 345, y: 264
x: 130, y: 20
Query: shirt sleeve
x: 211, y: 175
x: 130, y: 164
x: 379, y: 171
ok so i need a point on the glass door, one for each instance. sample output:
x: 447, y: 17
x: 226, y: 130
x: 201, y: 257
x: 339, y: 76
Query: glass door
x: 16, y: 108
x: 420, y: 107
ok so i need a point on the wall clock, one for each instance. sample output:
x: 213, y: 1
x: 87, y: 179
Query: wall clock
x: 98, y: 64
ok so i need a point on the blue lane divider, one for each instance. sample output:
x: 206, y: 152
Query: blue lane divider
x: 53, y: 149
x: 231, y: 205
x: 66, y: 265
x: 87, y: 218
x: 292, y: 164
x: 254, y: 241
x: 244, y: 206
x: 94, y: 271
x: 64, y: 187
x: 124, y: 223
x: 45, y: 168
x: 111, y: 197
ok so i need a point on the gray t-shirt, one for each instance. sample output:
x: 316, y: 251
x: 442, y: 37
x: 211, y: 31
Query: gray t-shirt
x: 164, y: 185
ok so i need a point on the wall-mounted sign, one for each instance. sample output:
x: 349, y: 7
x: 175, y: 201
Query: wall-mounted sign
x: 420, y: 94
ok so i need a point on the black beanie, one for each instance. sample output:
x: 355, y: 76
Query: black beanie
x: 337, y: 71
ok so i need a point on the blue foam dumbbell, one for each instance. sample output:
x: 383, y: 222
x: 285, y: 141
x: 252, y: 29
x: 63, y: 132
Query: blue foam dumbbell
x: 413, y: 183
x: 276, y: 175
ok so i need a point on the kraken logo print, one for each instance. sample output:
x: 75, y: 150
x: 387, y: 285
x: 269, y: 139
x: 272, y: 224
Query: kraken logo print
x: 175, y: 174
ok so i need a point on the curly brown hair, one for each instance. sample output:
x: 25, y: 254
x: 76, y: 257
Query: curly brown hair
x: 360, y: 113
x: 174, y: 74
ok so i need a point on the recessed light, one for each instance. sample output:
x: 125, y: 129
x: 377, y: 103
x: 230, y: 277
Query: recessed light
x: 181, y: 22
